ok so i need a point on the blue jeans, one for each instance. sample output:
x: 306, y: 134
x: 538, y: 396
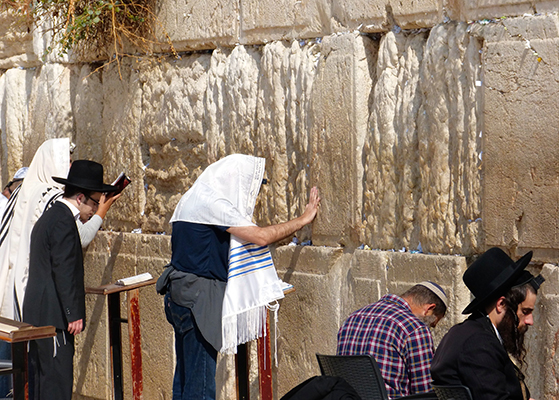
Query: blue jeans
x: 5, y: 380
x: 196, y: 359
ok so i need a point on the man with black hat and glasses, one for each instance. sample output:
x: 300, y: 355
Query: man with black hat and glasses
x: 55, y: 293
x: 485, y: 352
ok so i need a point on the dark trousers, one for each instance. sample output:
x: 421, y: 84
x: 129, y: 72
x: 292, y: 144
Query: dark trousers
x: 196, y: 359
x: 51, y: 367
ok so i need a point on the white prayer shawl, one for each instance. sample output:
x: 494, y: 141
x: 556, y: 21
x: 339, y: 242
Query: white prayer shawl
x: 225, y: 194
x: 36, y: 193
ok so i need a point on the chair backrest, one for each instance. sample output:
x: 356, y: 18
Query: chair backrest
x: 452, y: 392
x: 361, y: 372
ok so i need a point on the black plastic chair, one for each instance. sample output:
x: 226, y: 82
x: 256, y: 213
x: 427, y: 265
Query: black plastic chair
x: 363, y: 374
x: 452, y: 392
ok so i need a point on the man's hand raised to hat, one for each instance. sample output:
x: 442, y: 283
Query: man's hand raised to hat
x: 105, y: 202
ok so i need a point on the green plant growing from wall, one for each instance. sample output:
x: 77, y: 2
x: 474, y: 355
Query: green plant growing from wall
x: 109, y: 29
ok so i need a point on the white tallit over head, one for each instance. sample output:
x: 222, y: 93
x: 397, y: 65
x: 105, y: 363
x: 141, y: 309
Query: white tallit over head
x: 52, y: 158
x: 225, y: 194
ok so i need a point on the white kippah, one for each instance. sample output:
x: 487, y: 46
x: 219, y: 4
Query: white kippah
x: 433, y: 287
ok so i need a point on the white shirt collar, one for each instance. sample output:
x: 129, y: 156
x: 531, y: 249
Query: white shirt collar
x: 73, y: 208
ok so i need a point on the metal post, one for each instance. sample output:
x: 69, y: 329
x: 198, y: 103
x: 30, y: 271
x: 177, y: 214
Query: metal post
x: 135, y: 343
x: 113, y: 306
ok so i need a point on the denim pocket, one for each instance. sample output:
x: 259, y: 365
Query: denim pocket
x: 178, y: 316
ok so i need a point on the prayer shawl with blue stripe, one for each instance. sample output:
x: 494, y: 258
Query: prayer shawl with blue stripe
x: 225, y: 194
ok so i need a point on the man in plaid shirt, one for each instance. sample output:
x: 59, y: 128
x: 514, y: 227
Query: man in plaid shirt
x: 395, y: 331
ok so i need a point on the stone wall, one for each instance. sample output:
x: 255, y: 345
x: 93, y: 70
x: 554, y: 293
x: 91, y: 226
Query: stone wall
x: 429, y: 127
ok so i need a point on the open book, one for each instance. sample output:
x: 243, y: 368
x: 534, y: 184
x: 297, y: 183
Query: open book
x: 121, y: 182
x: 131, y: 280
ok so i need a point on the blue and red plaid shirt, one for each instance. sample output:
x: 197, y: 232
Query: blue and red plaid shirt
x: 399, y: 341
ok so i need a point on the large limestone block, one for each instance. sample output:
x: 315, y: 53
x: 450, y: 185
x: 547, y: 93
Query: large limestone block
x: 520, y: 135
x: 422, y: 177
x: 199, y: 24
x: 449, y: 138
x: 406, y: 269
x: 119, y: 141
x: 49, y: 112
x: 366, y: 280
x: 382, y: 15
x: 341, y: 91
x: 16, y: 41
x: 308, y: 317
x: 14, y: 97
x: 472, y: 10
x: 283, y: 137
x: 267, y: 20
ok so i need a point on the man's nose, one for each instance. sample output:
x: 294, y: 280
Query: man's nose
x: 529, y: 320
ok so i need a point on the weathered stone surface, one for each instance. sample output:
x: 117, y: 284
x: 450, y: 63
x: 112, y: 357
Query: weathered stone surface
x: 317, y: 276
x: 16, y: 43
x: 341, y: 92
x: 423, y: 115
x: 472, y: 10
x: 520, y: 174
x: 381, y: 16
x: 267, y: 20
x: 13, y: 99
x: 199, y: 24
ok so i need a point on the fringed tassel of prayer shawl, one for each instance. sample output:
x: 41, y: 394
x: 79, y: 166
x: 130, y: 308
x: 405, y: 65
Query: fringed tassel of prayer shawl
x: 252, y: 284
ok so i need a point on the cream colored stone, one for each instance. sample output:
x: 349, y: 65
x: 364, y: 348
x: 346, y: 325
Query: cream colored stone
x: 267, y: 20
x: 16, y: 43
x: 283, y: 122
x: 14, y: 94
x: 49, y: 105
x: 381, y: 16
x: 520, y: 195
x: 341, y: 91
x: 199, y: 24
x: 423, y: 115
x: 472, y: 10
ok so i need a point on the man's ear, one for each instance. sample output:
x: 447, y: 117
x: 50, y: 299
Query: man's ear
x: 428, y: 307
x: 501, y: 306
x: 80, y: 198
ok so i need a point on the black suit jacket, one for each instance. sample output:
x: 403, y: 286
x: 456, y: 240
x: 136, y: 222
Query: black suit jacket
x: 55, y: 293
x: 470, y: 354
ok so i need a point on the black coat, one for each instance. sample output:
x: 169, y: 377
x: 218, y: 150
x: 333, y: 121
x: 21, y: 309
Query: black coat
x: 470, y: 354
x: 55, y: 293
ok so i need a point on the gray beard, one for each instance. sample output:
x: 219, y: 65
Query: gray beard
x: 428, y: 320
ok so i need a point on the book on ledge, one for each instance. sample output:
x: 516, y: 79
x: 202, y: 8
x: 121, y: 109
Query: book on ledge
x: 131, y: 280
x: 15, y: 331
x: 121, y: 182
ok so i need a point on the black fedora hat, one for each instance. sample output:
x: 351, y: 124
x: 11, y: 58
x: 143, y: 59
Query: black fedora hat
x: 491, y: 275
x: 88, y: 175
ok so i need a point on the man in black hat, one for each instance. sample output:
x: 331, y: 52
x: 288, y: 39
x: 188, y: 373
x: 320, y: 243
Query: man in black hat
x: 55, y: 293
x: 485, y: 352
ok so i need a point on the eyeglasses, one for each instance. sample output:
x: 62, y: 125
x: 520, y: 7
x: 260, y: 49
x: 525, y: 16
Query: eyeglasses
x: 93, y: 200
